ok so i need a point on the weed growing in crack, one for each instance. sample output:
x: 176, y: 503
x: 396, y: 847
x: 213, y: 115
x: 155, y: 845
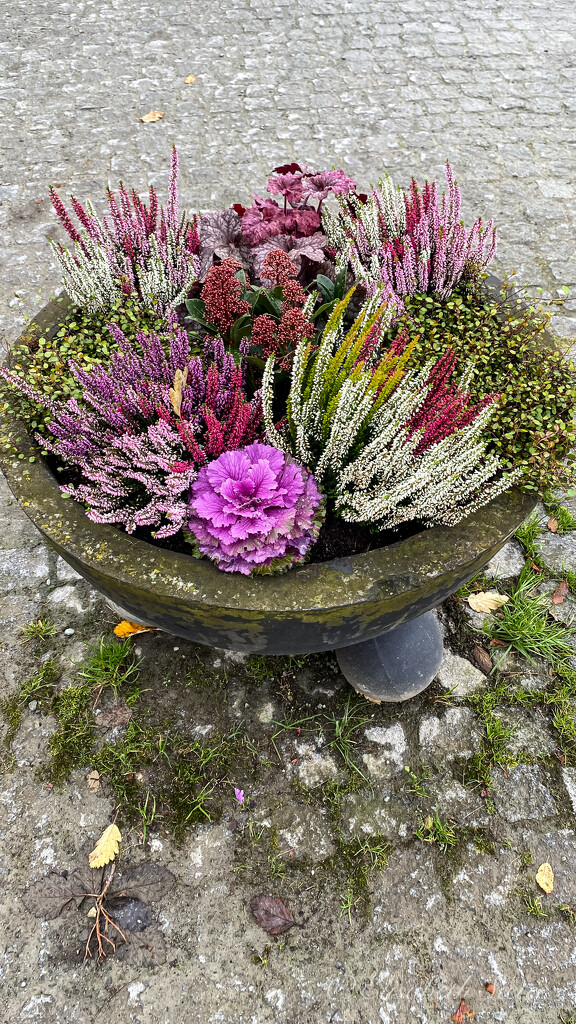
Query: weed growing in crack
x: 416, y: 784
x: 524, y: 625
x: 532, y: 903
x: 352, y: 718
x: 566, y: 521
x: 434, y: 830
x: 40, y: 629
x: 40, y: 687
x: 527, y: 534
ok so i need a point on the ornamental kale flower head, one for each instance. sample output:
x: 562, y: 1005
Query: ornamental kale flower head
x: 254, y: 510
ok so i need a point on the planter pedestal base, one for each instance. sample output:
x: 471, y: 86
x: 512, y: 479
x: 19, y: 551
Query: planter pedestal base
x: 397, y: 665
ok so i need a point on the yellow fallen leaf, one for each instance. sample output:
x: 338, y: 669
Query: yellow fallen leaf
x: 429, y: 822
x: 106, y: 848
x: 487, y: 600
x: 189, y: 79
x: 545, y: 877
x: 125, y: 628
x: 180, y: 378
x: 154, y: 115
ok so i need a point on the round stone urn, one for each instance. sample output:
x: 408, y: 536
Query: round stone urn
x: 371, y: 608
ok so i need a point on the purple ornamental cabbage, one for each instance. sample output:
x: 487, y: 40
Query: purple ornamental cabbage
x: 254, y: 510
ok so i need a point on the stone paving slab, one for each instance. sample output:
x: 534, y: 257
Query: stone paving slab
x: 396, y: 87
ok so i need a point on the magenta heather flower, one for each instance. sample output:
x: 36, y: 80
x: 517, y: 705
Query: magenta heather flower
x: 254, y: 510
x: 239, y: 794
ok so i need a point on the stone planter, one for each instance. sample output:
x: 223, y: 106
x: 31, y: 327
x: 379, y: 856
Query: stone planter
x: 347, y: 603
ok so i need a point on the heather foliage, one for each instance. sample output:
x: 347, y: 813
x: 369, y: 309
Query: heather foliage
x: 138, y: 250
x: 145, y: 425
x: 387, y: 445
x: 254, y: 510
x: 414, y: 242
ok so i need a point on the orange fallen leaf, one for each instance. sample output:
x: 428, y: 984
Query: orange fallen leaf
x: 497, y: 643
x: 490, y: 988
x: 463, y: 1013
x: 552, y: 525
x: 154, y: 115
x: 561, y: 593
x: 189, y: 79
x: 125, y: 628
x: 545, y: 878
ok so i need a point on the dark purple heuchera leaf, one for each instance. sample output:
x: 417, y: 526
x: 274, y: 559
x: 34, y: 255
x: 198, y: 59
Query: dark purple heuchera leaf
x: 49, y: 896
x: 272, y: 914
x: 296, y: 248
x: 220, y: 234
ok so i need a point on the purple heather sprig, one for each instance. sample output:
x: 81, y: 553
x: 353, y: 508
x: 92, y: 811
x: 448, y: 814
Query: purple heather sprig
x: 145, y: 424
x: 255, y: 510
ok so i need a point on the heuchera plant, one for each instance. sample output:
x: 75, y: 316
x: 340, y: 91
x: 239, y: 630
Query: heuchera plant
x: 145, y: 426
x: 138, y: 249
x: 292, y: 225
x: 254, y: 511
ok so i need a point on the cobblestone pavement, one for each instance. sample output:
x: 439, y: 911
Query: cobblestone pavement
x: 384, y: 86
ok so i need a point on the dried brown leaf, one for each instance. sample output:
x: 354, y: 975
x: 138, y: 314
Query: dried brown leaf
x: 272, y: 914
x: 120, y: 714
x: 552, y: 525
x: 153, y: 115
x: 545, y: 878
x: 487, y: 601
x: 180, y: 378
x: 483, y: 659
x: 561, y: 593
x: 490, y: 988
x: 93, y: 780
x: 106, y: 848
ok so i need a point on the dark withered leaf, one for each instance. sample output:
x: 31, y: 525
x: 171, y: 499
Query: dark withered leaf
x: 120, y: 714
x: 272, y: 914
x: 130, y: 914
x: 146, y: 882
x: 142, y: 949
x: 483, y: 659
x: 49, y: 896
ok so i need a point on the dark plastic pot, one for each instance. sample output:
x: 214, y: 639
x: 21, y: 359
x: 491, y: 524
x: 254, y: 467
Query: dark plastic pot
x: 314, y: 607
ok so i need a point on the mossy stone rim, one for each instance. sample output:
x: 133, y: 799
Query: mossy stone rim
x: 313, y: 607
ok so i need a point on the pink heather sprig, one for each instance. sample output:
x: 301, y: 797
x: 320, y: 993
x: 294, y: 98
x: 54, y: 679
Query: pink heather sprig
x: 425, y: 247
x: 137, y: 452
x: 150, y: 251
x: 446, y: 408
